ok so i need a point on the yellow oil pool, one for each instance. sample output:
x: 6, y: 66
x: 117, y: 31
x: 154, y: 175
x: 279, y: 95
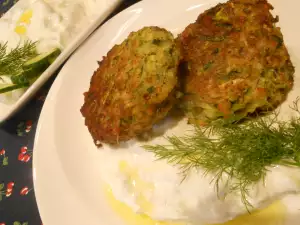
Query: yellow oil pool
x: 24, y: 20
x: 128, y: 215
x: 136, y: 185
x: 272, y: 215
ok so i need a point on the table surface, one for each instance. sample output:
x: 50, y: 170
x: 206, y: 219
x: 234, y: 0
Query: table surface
x: 17, y: 200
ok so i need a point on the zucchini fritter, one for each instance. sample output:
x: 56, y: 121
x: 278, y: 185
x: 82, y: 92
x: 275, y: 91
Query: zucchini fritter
x: 134, y: 86
x: 236, y: 62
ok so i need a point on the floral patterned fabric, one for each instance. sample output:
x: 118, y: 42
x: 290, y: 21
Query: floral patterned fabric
x: 17, y: 200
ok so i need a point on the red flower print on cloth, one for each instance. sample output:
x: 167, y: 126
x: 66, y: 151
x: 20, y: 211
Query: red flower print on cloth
x: 3, y: 158
x: 24, y: 154
x: 24, y: 127
x: 24, y: 191
x: 8, y: 191
x: 28, y: 126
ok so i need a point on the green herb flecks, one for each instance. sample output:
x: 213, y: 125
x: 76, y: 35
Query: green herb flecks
x: 11, y: 61
x: 278, y: 40
x: 207, y: 65
x: 212, y: 38
x: 156, y: 41
x: 242, y: 152
x: 150, y: 89
x: 234, y: 72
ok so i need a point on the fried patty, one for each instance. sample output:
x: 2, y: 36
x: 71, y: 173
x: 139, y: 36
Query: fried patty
x: 134, y: 86
x: 235, y: 61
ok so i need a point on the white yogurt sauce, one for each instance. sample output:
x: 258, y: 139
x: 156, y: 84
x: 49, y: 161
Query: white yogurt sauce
x: 51, y: 22
x: 155, y: 188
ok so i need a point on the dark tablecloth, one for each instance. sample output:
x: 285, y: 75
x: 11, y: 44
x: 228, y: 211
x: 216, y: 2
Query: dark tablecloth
x: 17, y: 200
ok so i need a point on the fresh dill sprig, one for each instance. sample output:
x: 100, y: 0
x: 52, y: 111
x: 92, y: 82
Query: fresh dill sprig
x: 11, y: 61
x: 242, y: 153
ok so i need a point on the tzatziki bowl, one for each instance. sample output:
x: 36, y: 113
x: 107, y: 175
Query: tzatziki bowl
x: 37, y: 36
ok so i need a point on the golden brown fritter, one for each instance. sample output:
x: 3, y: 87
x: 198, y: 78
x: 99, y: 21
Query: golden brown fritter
x: 134, y: 86
x: 236, y: 62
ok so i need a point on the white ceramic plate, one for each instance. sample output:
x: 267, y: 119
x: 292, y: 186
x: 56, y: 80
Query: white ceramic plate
x: 65, y: 158
x: 7, y: 110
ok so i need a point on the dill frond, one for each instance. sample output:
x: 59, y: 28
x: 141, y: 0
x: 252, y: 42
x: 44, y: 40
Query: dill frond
x: 243, y: 152
x: 11, y: 62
